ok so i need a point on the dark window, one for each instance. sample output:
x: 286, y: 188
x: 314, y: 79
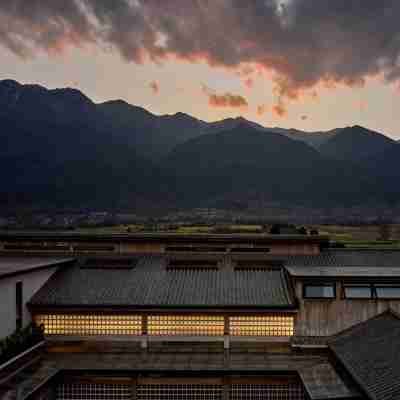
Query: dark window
x: 358, y: 291
x: 250, y: 250
x: 387, y: 291
x: 319, y: 291
x: 109, y: 263
x: 19, y: 304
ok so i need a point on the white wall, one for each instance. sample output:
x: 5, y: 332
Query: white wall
x: 31, y: 282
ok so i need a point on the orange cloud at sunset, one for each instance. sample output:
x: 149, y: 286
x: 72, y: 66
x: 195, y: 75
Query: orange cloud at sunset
x: 248, y: 83
x: 155, y: 87
x: 261, y: 109
x: 361, y: 104
x: 279, y: 110
x: 225, y: 100
x: 258, y: 34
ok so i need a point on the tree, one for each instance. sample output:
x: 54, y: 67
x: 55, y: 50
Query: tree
x: 302, y: 231
x: 275, y: 229
x: 384, y: 232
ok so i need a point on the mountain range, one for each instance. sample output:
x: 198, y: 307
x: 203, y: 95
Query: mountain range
x: 60, y: 148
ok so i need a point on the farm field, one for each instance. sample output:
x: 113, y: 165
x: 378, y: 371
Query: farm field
x: 364, y: 236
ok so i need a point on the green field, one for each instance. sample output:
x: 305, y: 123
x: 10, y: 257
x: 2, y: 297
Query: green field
x: 365, y: 236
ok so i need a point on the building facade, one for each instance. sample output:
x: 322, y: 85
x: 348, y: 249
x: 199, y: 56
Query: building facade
x: 209, y: 316
x: 20, y: 278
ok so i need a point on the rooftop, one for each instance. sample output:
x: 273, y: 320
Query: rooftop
x: 346, y: 263
x: 10, y: 266
x: 151, y: 284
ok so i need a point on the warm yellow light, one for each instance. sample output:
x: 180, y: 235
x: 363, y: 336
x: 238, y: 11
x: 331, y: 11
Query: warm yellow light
x: 191, y: 325
x: 269, y: 325
x: 86, y: 325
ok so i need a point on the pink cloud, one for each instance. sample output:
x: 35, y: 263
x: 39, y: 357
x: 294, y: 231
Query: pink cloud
x: 155, y: 87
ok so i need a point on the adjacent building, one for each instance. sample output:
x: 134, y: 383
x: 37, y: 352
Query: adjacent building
x: 20, y: 278
x: 166, y: 316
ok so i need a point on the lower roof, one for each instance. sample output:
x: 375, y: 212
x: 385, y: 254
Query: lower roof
x: 172, y: 360
x: 370, y: 351
x: 322, y: 382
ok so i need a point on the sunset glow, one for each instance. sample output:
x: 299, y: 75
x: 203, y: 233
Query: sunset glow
x: 261, y: 60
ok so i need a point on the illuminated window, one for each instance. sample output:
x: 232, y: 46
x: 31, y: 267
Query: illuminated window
x: 319, y: 291
x: 179, y: 392
x: 89, y: 324
x: 362, y: 291
x: 267, y: 391
x: 91, y: 391
x: 186, y: 325
x: 268, y: 325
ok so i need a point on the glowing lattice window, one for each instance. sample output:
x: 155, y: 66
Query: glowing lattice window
x: 94, y: 392
x: 267, y: 391
x: 90, y: 324
x: 195, y: 325
x: 179, y: 392
x: 268, y: 325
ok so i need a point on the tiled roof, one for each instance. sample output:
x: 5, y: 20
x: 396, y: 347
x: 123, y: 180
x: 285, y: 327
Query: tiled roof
x: 370, y: 351
x: 150, y: 284
x: 346, y: 258
x: 323, y: 383
x: 346, y: 263
x: 10, y: 266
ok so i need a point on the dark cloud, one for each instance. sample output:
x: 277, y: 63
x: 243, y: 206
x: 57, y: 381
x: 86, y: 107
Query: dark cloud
x: 303, y: 42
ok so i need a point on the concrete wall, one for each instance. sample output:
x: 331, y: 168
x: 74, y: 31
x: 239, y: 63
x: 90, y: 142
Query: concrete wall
x: 31, y: 282
x: 327, y: 317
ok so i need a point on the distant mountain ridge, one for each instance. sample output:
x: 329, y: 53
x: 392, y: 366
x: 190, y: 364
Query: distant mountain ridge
x: 59, y: 147
x: 355, y: 144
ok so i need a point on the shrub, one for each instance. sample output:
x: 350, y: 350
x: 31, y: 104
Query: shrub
x: 19, y: 341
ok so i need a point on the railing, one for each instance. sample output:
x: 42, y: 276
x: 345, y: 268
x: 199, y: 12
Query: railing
x: 15, y: 365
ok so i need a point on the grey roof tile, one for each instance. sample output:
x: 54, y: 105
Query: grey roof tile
x: 151, y: 284
x: 346, y: 258
x: 370, y: 351
x: 322, y: 382
x: 345, y: 263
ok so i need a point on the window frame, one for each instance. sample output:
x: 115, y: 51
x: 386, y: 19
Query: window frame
x: 386, y: 285
x: 319, y: 284
x: 369, y: 285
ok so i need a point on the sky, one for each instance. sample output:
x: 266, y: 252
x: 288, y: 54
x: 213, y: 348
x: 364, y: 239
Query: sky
x: 306, y: 64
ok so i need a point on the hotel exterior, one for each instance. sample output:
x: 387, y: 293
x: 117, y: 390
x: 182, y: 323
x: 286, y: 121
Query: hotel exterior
x: 167, y: 316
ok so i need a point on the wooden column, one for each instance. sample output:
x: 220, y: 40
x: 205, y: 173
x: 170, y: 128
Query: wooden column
x: 134, y: 388
x: 226, y: 333
x: 144, y: 339
x: 226, y: 388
